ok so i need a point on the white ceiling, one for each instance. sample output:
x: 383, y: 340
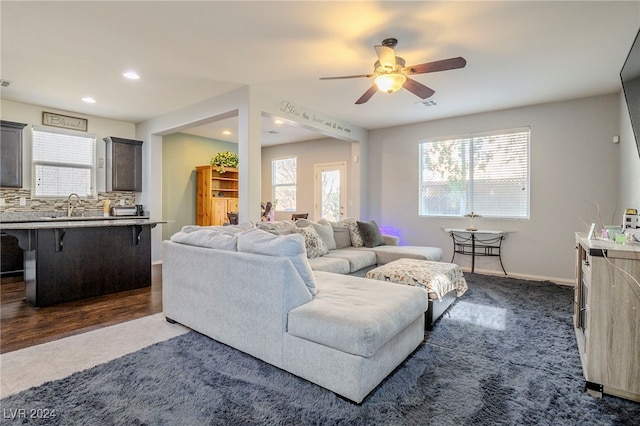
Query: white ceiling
x: 518, y: 53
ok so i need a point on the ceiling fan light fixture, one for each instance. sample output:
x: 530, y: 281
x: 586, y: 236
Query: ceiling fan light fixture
x: 391, y: 82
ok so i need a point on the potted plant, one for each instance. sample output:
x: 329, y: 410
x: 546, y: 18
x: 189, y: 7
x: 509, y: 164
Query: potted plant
x: 224, y: 159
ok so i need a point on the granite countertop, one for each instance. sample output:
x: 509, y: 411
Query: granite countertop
x: 79, y: 222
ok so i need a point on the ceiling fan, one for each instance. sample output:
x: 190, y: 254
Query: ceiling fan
x: 390, y: 73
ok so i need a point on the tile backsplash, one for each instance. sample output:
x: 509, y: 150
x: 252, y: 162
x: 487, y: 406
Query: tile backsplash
x: 91, y: 207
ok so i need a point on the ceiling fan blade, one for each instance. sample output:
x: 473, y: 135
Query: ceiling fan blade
x: 347, y: 76
x: 386, y: 56
x: 418, y: 89
x: 367, y: 95
x: 443, y: 65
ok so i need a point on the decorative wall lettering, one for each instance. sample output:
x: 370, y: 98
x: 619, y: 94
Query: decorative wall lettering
x: 64, y: 121
x: 290, y: 109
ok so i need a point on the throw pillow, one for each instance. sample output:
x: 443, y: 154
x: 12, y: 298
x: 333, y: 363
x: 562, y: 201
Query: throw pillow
x: 341, y: 235
x: 325, y: 230
x: 354, y: 232
x: 313, y: 243
x: 292, y: 246
x: 303, y: 223
x: 229, y: 229
x: 283, y: 227
x: 209, y: 238
x: 371, y: 235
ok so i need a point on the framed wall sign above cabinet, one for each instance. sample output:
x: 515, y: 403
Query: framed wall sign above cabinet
x: 64, y: 121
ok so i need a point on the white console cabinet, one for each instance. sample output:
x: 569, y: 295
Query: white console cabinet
x: 607, y: 316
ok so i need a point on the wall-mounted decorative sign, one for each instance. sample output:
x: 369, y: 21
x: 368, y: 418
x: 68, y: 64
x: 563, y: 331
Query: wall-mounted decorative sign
x: 300, y: 115
x: 64, y: 121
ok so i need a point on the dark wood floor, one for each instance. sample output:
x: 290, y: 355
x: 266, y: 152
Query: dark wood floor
x: 22, y: 325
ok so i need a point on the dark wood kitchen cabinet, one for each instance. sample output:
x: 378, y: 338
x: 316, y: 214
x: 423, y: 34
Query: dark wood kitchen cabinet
x: 124, y: 164
x: 11, y: 154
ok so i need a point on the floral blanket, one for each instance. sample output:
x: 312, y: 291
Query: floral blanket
x: 436, y: 277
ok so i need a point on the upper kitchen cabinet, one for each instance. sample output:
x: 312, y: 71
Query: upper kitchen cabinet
x: 11, y: 154
x: 124, y: 164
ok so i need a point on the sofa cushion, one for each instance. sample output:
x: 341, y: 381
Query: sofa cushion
x: 209, y: 238
x: 341, y: 235
x: 292, y: 246
x: 354, y: 232
x: 312, y: 241
x: 386, y: 254
x: 283, y: 227
x: 371, y: 235
x: 331, y: 264
x: 356, y: 315
x: 323, y: 228
x: 358, y: 258
x: 228, y: 229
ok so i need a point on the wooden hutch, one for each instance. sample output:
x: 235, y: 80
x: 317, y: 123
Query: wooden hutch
x: 216, y: 194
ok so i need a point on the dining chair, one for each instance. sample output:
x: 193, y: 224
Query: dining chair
x: 233, y: 218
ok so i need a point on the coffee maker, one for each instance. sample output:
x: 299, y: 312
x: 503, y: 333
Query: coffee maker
x: 630, y: 219
x: 139, y: 210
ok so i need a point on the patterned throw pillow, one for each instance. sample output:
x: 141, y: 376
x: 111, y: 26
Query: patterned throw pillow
x: 354, y: 232
x: 313, y: 243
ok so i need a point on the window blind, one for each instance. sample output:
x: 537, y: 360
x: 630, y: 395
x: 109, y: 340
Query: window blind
x: 487, y: 174
x: 63, y: 163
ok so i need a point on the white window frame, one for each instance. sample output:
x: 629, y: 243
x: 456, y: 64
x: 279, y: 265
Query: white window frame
x: 275, y: 184
x: 466, y: 200
x: 35, y: 193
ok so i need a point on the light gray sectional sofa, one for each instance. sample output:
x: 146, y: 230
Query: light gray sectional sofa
x: 256, y: 291
x: 351, y: 246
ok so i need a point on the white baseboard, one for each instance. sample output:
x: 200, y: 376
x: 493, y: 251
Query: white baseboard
x: 555, y: 280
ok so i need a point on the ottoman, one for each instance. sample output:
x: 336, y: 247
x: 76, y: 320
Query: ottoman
x: 442, y: 281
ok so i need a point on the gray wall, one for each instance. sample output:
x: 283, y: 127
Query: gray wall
x: 308, y: 154
x: 574, y: 166
x: 181, y: 153
x: 629, y: 173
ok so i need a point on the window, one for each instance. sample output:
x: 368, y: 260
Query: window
x: 63, y: 162
x: 283, y: 181
x: 487, y: 174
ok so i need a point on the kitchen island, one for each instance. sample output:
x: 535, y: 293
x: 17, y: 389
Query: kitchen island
x: 68, y: 259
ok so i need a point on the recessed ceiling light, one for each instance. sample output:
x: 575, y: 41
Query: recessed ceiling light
x: 278, y: 121
x: 226, y: 132
x: 131, y: 75
x: 89, y: 100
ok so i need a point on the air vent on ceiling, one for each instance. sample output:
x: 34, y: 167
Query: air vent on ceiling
x: 5, y: 83
x: 427, y: 103
x: 273, y: 132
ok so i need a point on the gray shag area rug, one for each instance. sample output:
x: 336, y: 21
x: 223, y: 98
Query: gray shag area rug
x: 504, y: 354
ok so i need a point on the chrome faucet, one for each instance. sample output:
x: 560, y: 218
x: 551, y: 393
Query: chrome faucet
x: 69, y: 206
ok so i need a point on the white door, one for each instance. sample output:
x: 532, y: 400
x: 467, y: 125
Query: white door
x: 331, y: 191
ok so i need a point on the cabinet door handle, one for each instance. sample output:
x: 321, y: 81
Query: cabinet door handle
x: 137, y: 230
x: 58, y: 234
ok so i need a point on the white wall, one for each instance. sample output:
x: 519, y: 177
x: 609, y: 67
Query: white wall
x: 309, y: 154
x: 573, y: 166
x: 32, y: 115
x: 629, y: 172
x: 181, y: 154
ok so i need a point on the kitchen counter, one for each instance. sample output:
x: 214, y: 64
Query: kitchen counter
x: 77, y: 222
x: 68, y: 259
